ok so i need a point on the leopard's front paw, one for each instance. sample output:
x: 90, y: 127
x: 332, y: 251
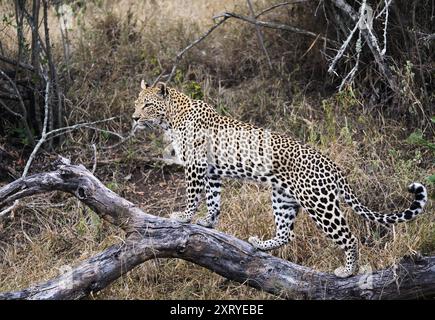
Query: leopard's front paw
x: 206, y: 222
x: 341, y: 272
x: 256, y: 242
x: 180, y: 217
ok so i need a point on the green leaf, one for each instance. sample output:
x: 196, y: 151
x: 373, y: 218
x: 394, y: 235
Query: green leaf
x: 417, y: 138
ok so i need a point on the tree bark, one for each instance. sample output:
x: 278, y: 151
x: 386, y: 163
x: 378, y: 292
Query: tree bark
x: 149, y: 237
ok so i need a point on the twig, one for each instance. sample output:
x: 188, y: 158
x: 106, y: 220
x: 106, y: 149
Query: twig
x: 10, y: 110
x: 259, y: 34
x: 273, y: 25
x: 429, y: 37
x: 191, y: 45
x: 310, y: 47
x: 279, y: 5
x: 44, y: 130
x: 42, y: 204
x: 37, y: 146
x: 8, y: 96
x: 20, y: 35
x: 9, y: 209
x: 33, y: 20
x: 46, y: 136
x: 387, y: 4
x: 106, y: 131
x: 366, y: 24
x: 16, y: 63
x: 342, y: 49
x: 94, y: 166
x: 23, y: 108
x: 124, y: 139
x: 351, y: 74
x: 158, y: 78
x: 56, y: 132
x: 53, y: 73
x: 63, y: 23
x: 344, y: 29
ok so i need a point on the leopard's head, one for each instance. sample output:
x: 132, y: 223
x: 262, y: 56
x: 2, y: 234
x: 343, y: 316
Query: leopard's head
x: 151, y: 106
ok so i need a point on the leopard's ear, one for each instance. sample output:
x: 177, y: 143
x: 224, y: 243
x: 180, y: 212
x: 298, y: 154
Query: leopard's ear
x: 144, y: 85
x: 162, y: 89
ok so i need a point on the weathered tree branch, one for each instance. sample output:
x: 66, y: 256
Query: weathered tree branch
x: 150, y: 237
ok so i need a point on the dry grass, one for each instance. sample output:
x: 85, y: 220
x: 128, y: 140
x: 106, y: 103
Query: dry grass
x: 119, y: 42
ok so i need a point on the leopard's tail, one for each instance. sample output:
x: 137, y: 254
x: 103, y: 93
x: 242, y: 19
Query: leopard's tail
x: 415, y: 209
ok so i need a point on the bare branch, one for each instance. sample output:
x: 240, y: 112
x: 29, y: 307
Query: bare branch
x: 63, y: 26
x: 53, y: 76
x: 279, y: 5
x: 44, y: 130
x: 16, y: 63
x: 8, y: 96
x: 105, y: 131
x: 124, y: 139
x: 259, y: 34
x: 342, y: 49
x: 64, y: 130
x: 383, y: 67
x: 158, y: 78
x: 430, y: 37
x: 29, y: 134
x: 19, y: 19
x: 191, y: 45
x: 9, y: 209
x: 273, y: 25
x: 11, y: 111
x: 94, y: 166
x: 224, y: 17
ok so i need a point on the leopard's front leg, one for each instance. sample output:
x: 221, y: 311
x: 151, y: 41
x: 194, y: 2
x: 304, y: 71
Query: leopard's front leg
x: 213, y: 193
x: 194, y: 176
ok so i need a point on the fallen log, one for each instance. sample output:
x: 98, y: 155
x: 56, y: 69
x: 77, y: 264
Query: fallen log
x: 149, y: 237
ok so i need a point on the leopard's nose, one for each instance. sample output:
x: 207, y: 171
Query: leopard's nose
x: 136, y: 118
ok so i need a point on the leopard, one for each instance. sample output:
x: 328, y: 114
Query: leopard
x: 211, y: 146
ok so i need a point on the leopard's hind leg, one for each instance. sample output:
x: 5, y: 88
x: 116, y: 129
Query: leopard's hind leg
x: 325, y: 211
x: 285, y: 209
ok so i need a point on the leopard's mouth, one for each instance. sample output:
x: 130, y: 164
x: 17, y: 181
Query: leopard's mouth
x: 144, y: 124
x: 139, y: 124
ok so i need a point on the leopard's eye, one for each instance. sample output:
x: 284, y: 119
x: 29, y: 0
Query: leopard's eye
x: 146, y: 105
